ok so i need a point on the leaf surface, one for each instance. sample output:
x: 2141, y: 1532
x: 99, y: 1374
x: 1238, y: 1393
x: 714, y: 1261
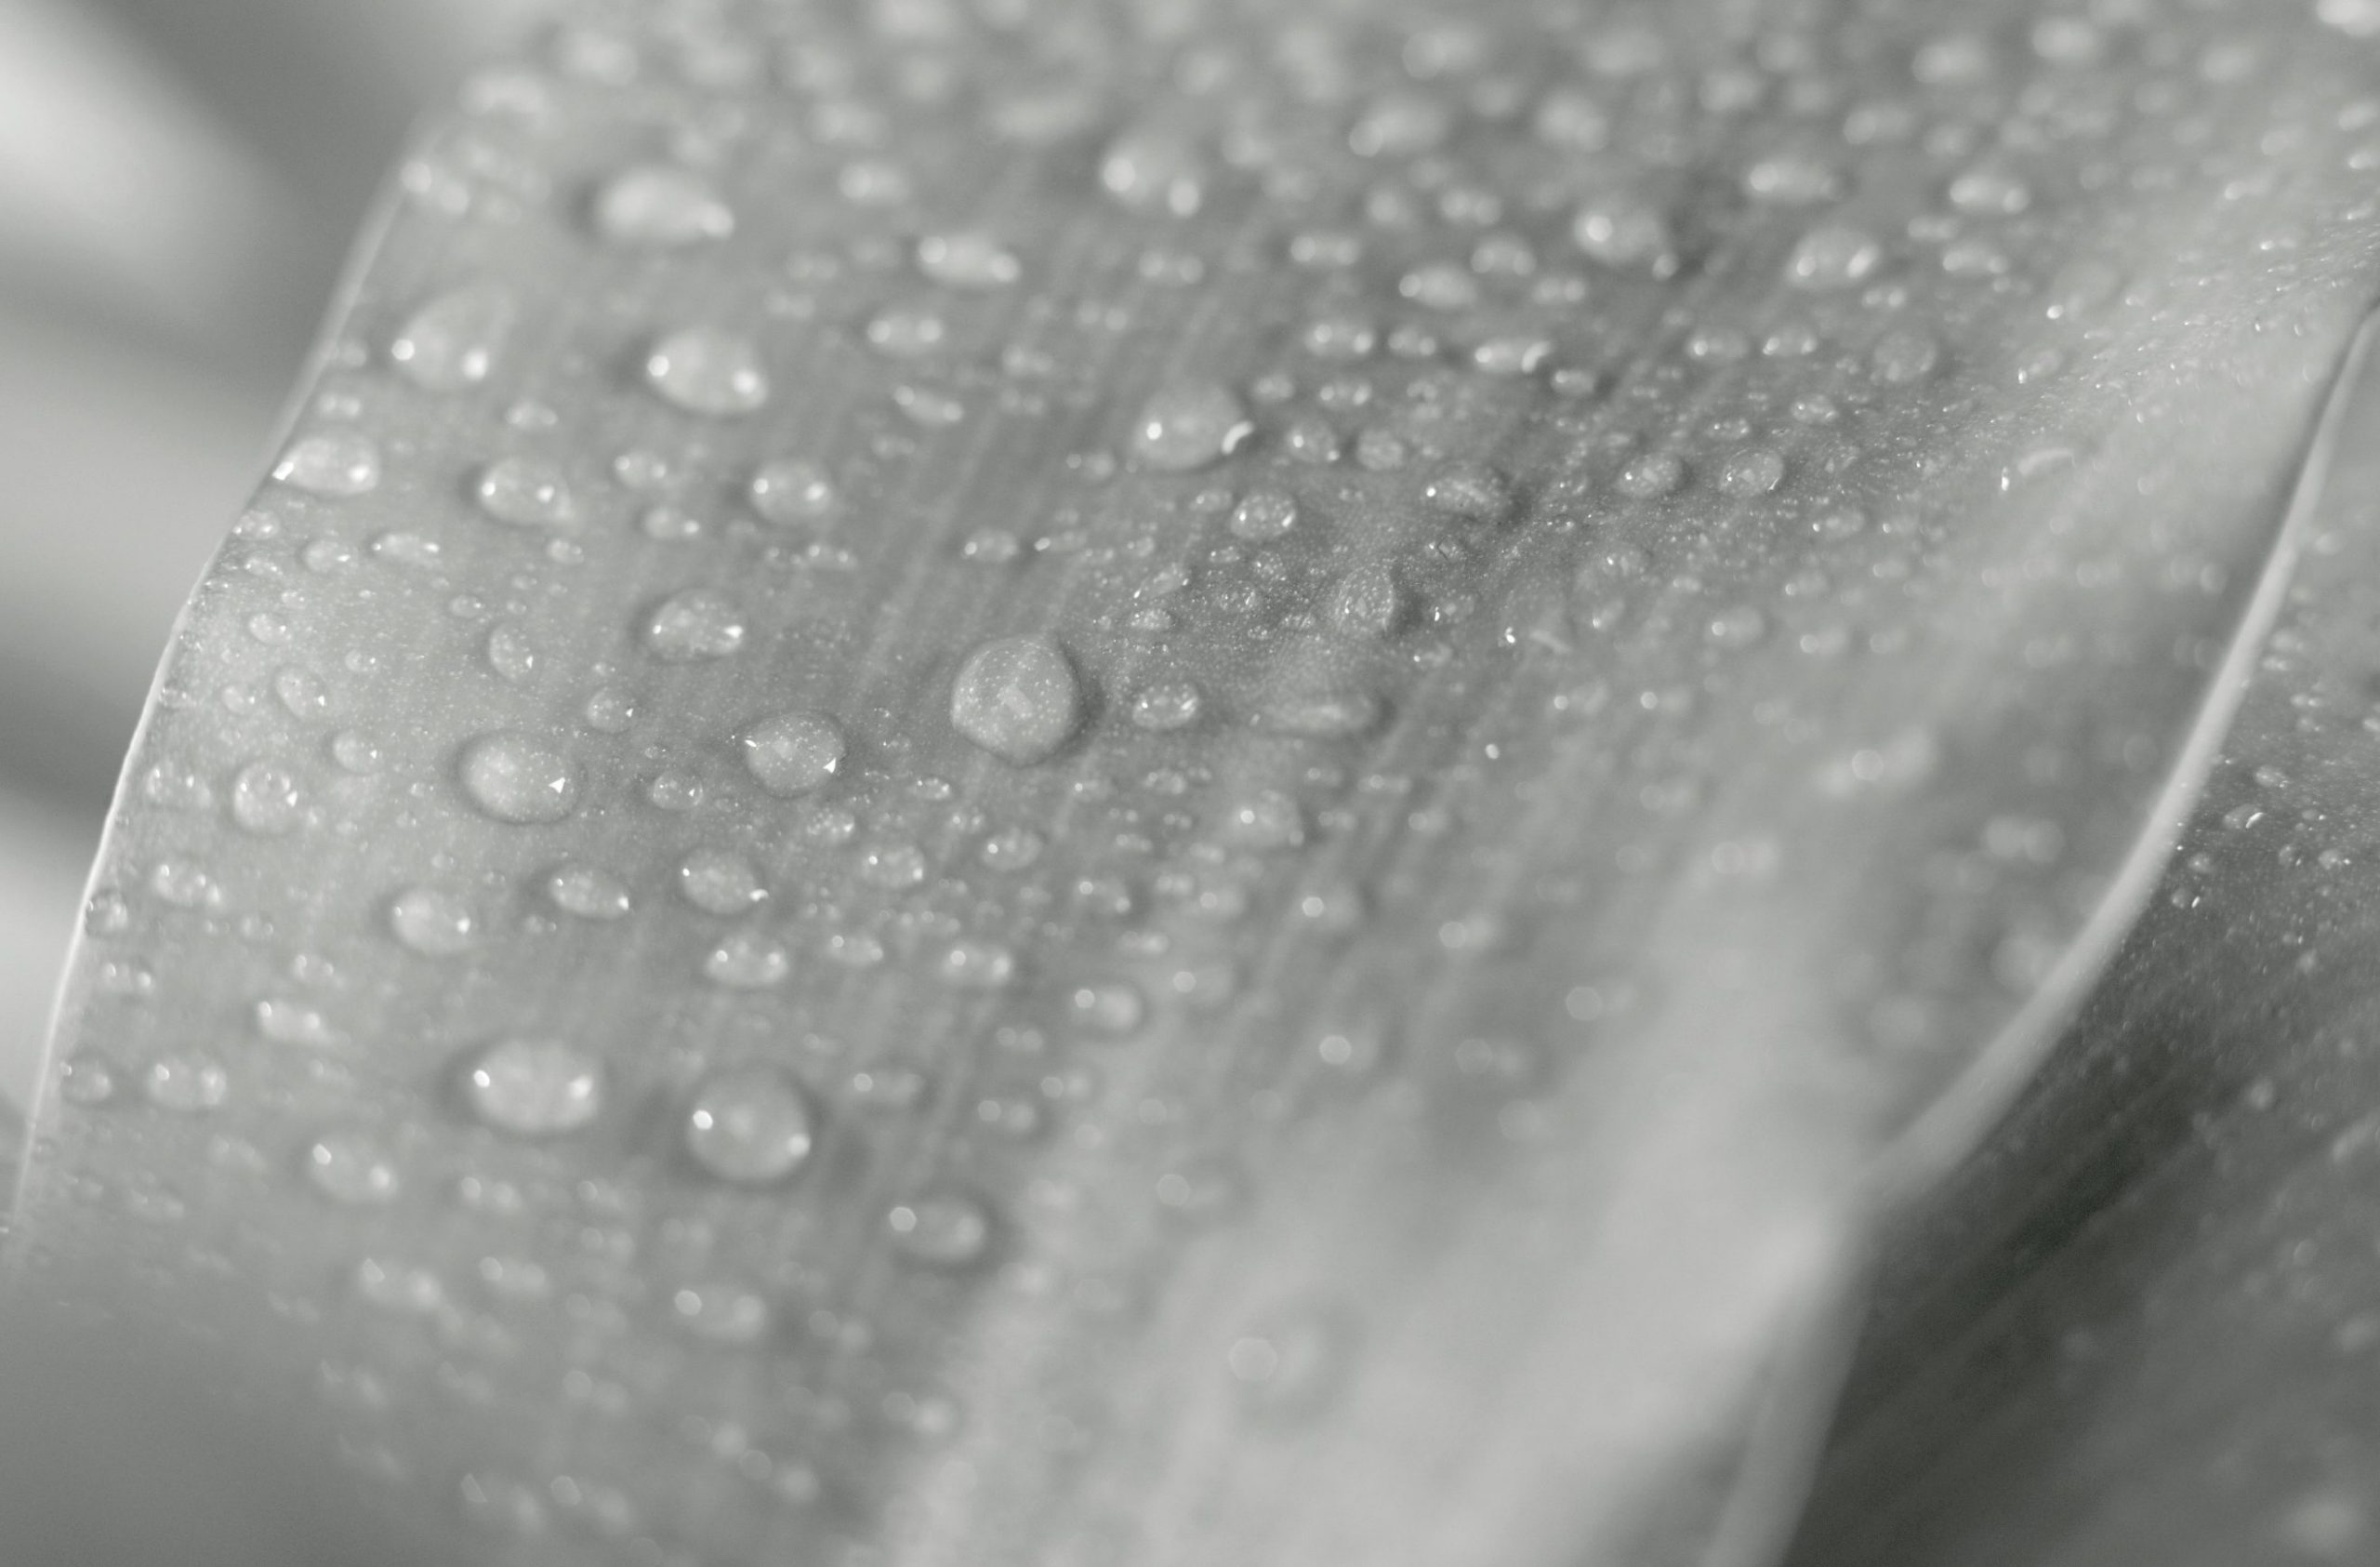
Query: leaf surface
x: 1133, y: 780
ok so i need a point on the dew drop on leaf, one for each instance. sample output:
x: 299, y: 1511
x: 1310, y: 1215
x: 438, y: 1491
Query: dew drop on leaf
x: 434, y: 924
x: 525, y: 492
x: 709, y: 370
x: 535, y: 1087
x: 793, y: 753
x: 660, y: 206
x: 694, y: 625
x: 749, y: 1125
x: 588, y: 892
x: 187, y: 1082
x: 791, y: 492
x: 452, y: 342
x: 337, y: 464
x: 267, y: 799
x: 1017, y: 698
x: 1187, y: 424
x: 350, y: 1167
x: 514, y: 778
x: 940, y: 1229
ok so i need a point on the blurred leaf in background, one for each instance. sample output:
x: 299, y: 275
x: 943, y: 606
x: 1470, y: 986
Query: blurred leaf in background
x: 180, y: 182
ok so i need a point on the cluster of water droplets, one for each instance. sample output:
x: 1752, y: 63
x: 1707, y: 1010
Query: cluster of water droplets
x: 811, y: 725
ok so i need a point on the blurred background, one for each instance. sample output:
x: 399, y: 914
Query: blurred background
x: 180, y: 181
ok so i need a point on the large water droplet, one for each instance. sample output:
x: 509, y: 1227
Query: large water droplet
x: 750, y: 1126
x: 535, y: 1087
x: 515, y: 779
x: 1018, y: 698
x: 709, y: 370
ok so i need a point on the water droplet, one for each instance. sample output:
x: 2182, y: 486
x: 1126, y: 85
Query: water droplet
x: 336, y: 464
x: 721, y: 882
x: 435, y: 923
x: 450, y: 343
x: 267, y: 799
x: 1367, y: 602
x: 187, y: 1082
x: 1833, y: 255
x: 748, y: 961
x: 970, y: 260
x: 1155, y: 170
x: 1755, y: 472
x: 1188, y: 424
x: 793, y: 752
x: 1626, y: 231
x: 1291, y: 1364
x: 351, y: 1167
x: 720, y: 1313
x: 793, y: 491
x: 942, y: 1229
x: 694, y: 625
x: 1018, y: 698
x: 1263, y: 515
x: 749, y: 1125
x: 1115, y: 1008
x: 535, y: 1087
x: 1472, y: 491
x: 525, y: 492
x: 660, y: 206
x: 587, y: 891
x: 1167, y: 706
x: 709, y: 370
x: 514, y: 778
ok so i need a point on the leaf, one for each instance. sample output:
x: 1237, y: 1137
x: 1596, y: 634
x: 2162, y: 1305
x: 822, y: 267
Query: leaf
x: 1128, y: 782
x: 2138, y: 1327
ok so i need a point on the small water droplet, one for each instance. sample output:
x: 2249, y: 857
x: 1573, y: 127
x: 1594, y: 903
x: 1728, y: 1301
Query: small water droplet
x: 1017, y: 698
